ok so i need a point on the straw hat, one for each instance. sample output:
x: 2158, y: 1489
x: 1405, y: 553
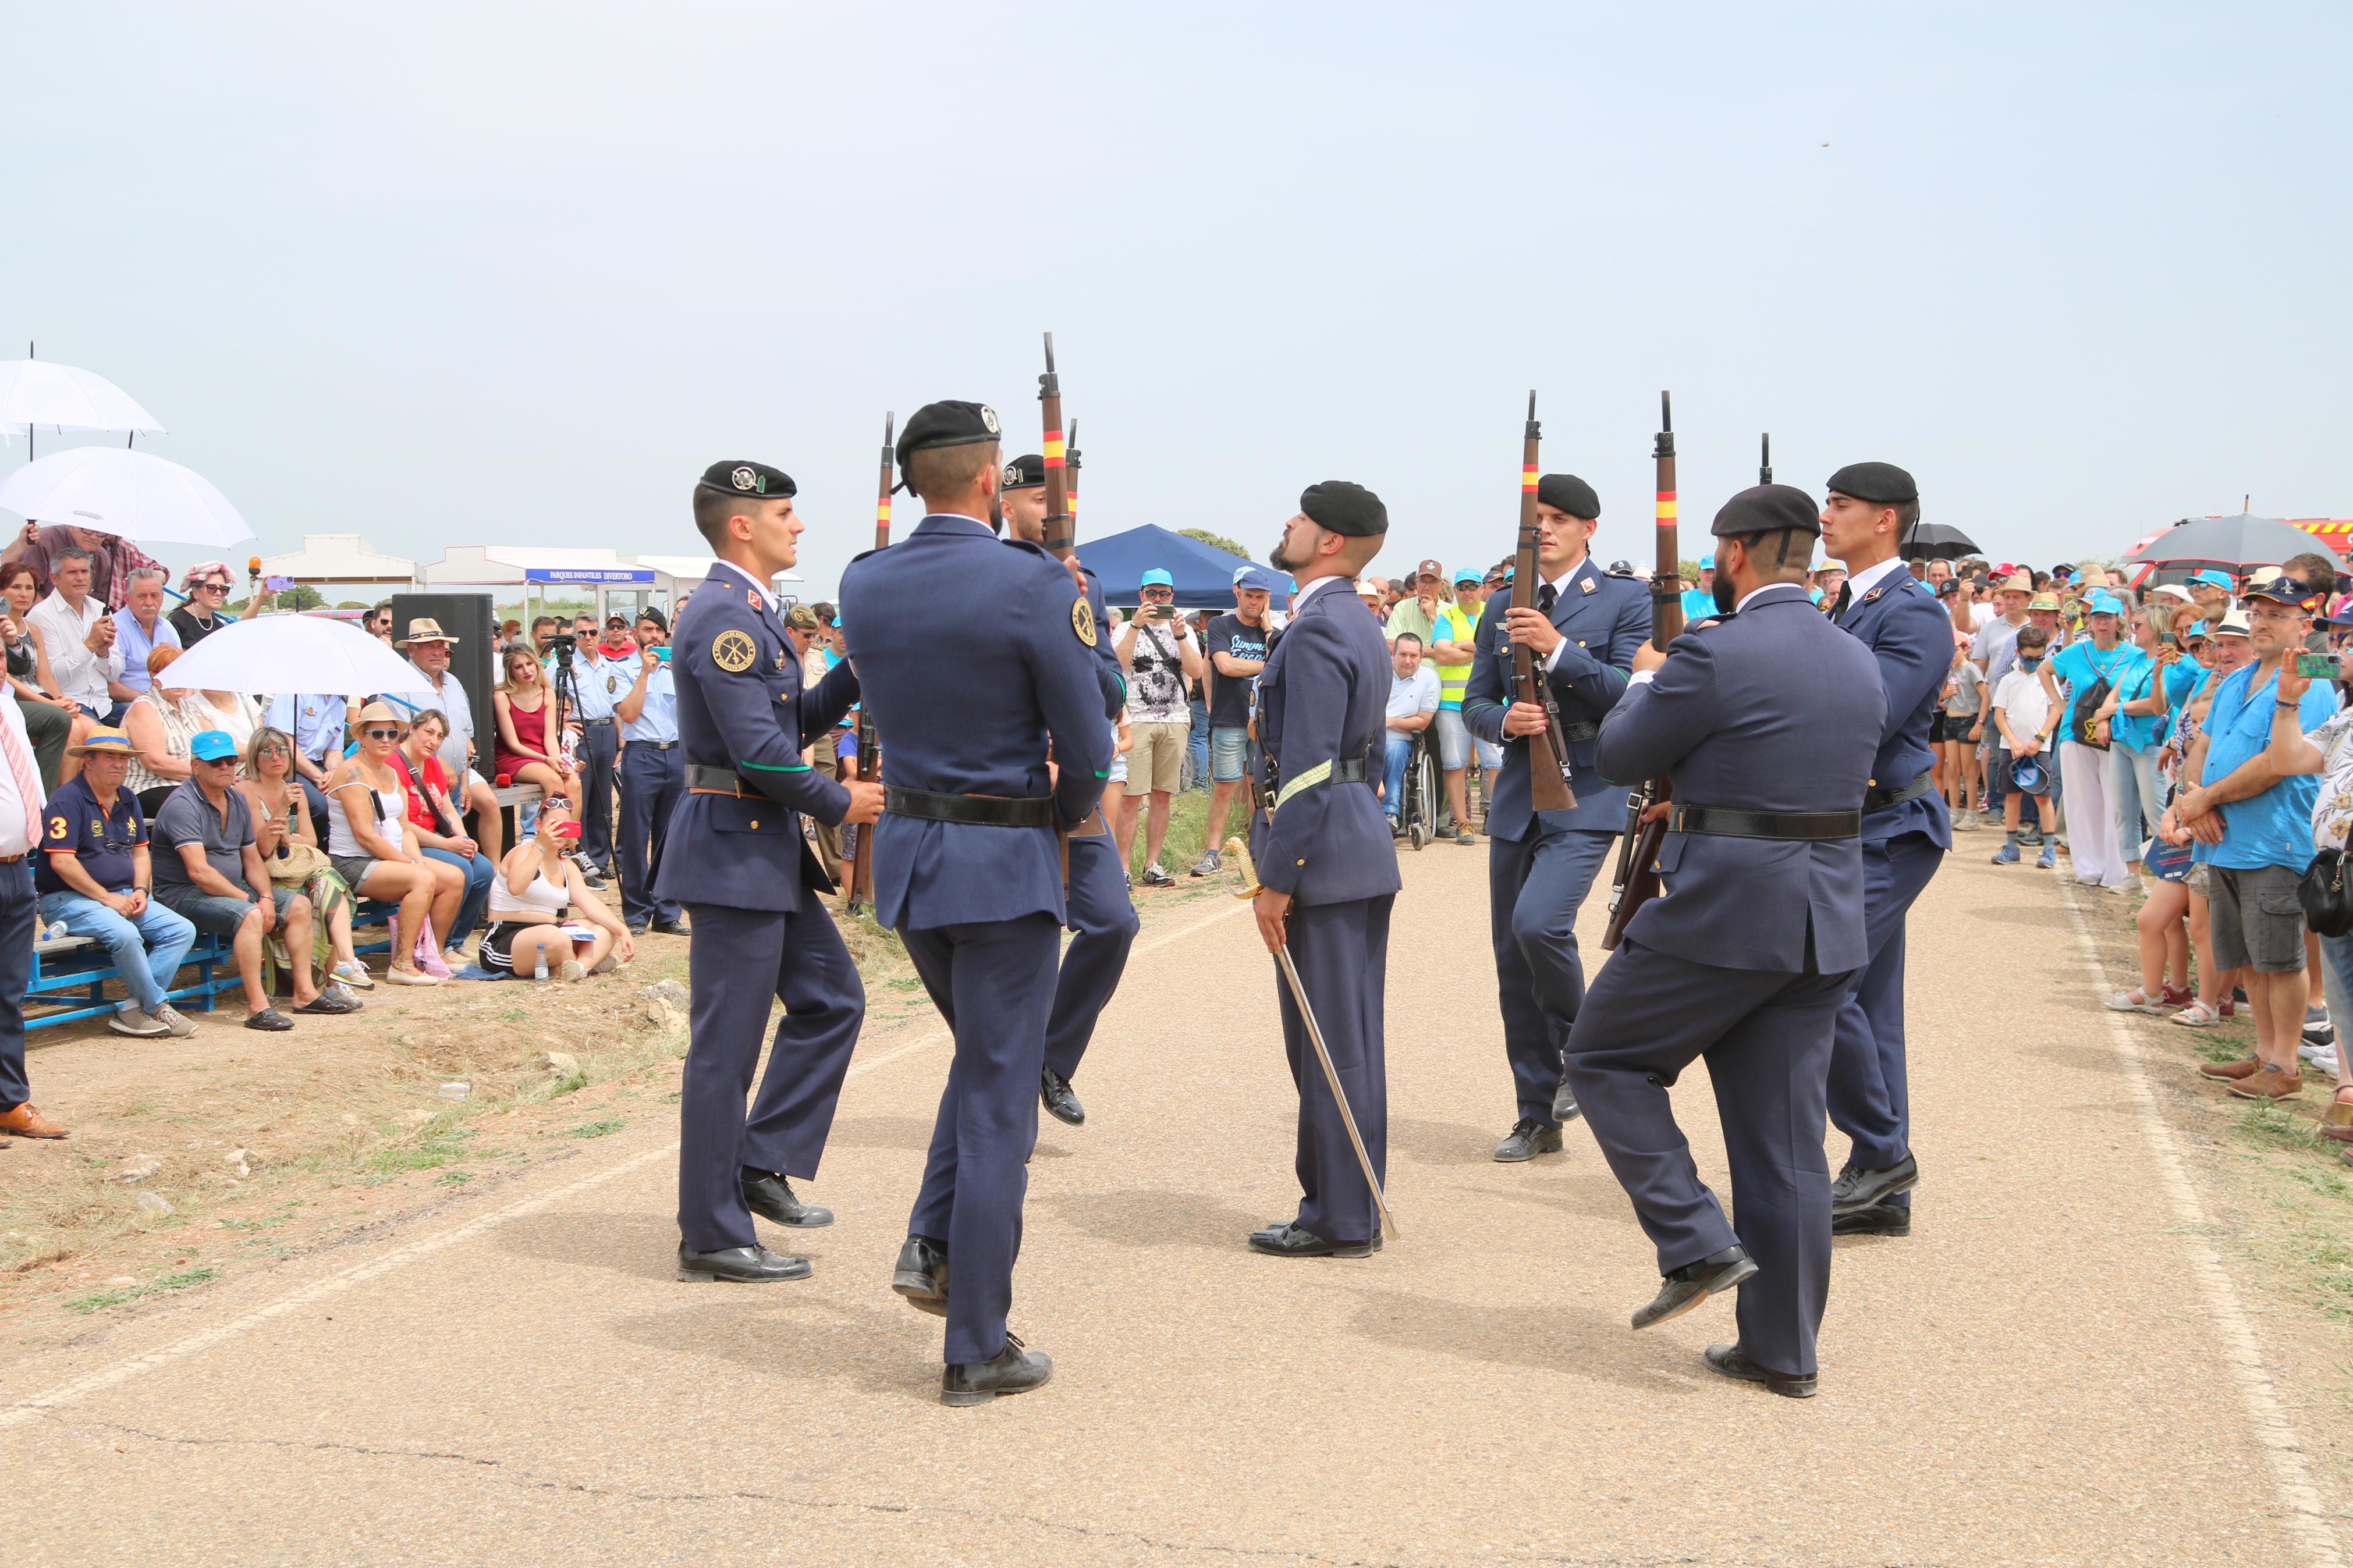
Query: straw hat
x: 111, y: 740
x: 423, y: 628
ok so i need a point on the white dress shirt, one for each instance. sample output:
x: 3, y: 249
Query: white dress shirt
x: 81, y: 674
x: 13, y: 839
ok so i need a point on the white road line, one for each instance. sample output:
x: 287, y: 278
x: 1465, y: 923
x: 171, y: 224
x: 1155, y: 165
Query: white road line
x: 2308, y: 1519
x: 18, y: 1412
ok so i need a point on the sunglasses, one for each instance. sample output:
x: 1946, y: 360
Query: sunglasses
x: 380, y: 734
x: 218, y: 762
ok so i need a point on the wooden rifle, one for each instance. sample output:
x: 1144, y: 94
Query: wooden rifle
x: 1548, y: 764
x: 1061, y: 520
x: 869, y: 745
x: 1637, y: 877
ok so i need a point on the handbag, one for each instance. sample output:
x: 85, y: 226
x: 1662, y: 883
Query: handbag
x: 2083, y: 727
x: 2326, y: 909
x: 296, y: 863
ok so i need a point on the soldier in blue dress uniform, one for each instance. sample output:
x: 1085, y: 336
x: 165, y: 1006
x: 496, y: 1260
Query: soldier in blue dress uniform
x: 1583, y: 628
x: 1102, y: 911
x: 1327, y: 866
x: 1906, y: 830
x: 969, y: 863
x: 1766, y: 721
x: 739, y: 862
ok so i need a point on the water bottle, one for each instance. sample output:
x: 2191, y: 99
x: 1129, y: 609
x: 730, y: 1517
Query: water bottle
x: 539, y: 969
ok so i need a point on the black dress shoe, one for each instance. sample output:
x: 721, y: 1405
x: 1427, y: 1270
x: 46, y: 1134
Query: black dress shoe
x: 1284, y: 1240
x: 1861, y: 1189
x: 1687, y: 1287
x: 753, y: 1265
x: 1012, y: 1370
x: 1564, y: 1103
x: 1879, y: 1219
x: 1529, y: 1138
x: 636, y: 928
x: 922, y: 1276
x: 1728, y: 1360
x: 1060, y: 1103
x: 673, y: 928
x: 769, y: 1195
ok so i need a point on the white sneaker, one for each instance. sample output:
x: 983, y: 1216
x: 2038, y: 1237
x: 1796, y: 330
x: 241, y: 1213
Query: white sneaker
x: 574, y: 970
x: 138, y: 1024
x: 2322, y: 1056
x: 173, y: 1019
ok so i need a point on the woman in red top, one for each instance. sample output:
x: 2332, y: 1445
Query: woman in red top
x: 528, y: 750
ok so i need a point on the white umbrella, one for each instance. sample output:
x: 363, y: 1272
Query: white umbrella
x: 295, y: 653
x: 48, y: 396
x: 134, y: 494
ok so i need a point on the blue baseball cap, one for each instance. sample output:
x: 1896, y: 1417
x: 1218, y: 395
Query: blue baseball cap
x: 1707, y: 562
x: 2027, y: 776
x: 1468, y: 575
x: 1248, y: 577
x: 2104, y: 603
x: 211, y: 746
x: 2220, y: 579
x: 1158, y: 578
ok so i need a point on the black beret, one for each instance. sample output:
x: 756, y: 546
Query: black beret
x: 1767, y: 508
x: 947, y: 424
x: 1570, y: 494
x: 1026, y: 472
x: 748, y: 479
x: 1881, y: 482
x: 1339, y: 506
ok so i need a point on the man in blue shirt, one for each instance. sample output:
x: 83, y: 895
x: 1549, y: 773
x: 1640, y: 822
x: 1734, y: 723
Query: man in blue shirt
x: 653, y: 776
x: 96, y: 877
x: 1699, y: 603
x: 602, y: 672
x: 2252, y: 828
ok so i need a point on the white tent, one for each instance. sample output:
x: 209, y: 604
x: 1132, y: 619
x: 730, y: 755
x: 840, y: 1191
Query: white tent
x: 331, y: 559
x: 677, y: 574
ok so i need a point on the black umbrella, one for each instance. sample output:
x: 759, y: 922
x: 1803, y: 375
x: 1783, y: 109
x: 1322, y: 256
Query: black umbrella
x: 1939, y: 541
x: 2240, y: 540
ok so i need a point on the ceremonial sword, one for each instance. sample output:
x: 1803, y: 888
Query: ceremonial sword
x: 1241, y: 854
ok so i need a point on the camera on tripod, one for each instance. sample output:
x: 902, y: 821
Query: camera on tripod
x: 563, y: 643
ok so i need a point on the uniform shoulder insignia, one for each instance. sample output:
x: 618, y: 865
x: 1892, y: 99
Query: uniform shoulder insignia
x: 1082, y: 621
x: 734, y: 651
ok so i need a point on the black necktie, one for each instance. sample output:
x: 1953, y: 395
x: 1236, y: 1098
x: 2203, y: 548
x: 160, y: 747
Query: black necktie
x: 1546, y: 598
x: 1846, y: 597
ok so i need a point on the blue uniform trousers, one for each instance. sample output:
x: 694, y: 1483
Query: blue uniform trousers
x: 599, y: 745
x: 20, y: 914
x: 738, y: 962
x: 1340, y: 951
x: 1103, y: 916
x: 1766, y: 1037
x: 1870, y: 1101
x: 994, y: 983
x: 1535, y: 886
x: 652, y: 780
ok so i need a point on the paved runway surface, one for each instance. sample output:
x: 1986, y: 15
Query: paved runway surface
x: 2035, y: 1375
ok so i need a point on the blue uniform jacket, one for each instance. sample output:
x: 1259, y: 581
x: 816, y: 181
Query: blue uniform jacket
x: 1108, y: 673
x: 1605, y: 619
x: 741, y: 706
x: 1323, y: 697
x: 1771, y: 710
x: 1911, y: 638
x: 968, y: 708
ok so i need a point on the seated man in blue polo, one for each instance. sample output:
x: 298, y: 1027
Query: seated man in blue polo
x: 211, y: 871
x: 94, y: 875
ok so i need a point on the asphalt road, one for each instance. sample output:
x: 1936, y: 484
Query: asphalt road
x: 2044, y: 1372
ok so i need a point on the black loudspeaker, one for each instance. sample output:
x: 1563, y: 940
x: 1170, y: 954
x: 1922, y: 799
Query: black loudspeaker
x: 469, y: 619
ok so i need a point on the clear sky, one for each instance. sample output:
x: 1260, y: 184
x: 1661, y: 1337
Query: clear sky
x: 507, y: 274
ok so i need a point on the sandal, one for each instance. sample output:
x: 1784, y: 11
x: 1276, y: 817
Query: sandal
x: 2133, y: 1001
x: 270, y: 1019
x: 2199, y: 1014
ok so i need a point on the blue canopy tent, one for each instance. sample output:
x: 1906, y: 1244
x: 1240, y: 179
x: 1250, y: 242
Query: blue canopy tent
x: 1204, y: 574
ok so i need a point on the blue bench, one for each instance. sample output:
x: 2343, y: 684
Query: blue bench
x: 69, y: 976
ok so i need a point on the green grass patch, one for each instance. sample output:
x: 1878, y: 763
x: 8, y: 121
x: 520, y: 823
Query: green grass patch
x: 100, y: 1301
x: 597, y: 1128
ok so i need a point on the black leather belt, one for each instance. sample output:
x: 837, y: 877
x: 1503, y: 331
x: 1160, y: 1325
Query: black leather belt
x: 592, y: 723
x: 970, y: 810
x: 1881, y: 799
x: 717, y: 781
x: 1727, y: 823
x: 655, y: 745
x: 1350, y: 771
x: 1580, y: 731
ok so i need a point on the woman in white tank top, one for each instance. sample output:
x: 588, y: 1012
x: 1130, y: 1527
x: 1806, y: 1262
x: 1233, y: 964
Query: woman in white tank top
x: 527, y: 905
x: 367, y: 805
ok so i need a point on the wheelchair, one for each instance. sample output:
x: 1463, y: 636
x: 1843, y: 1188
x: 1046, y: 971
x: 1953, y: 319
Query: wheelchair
x: 1419, y: 798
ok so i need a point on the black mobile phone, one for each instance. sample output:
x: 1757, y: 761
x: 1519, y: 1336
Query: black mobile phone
x: 1159, y: 611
